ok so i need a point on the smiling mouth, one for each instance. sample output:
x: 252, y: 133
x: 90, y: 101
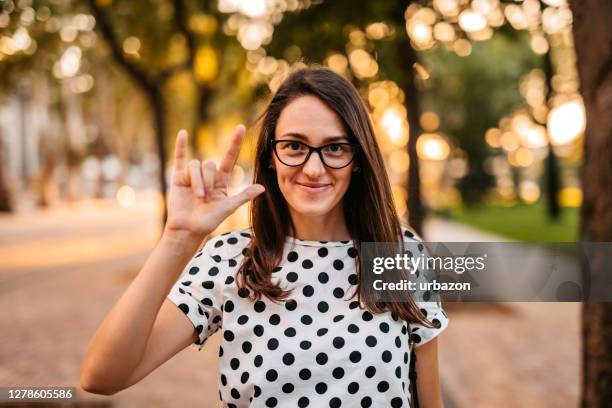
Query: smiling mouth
x: 313, y: 188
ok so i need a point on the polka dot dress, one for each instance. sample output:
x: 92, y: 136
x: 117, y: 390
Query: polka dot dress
x: 319, y: 349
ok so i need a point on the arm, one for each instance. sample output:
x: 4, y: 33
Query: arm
x: 428, y: 377
x: 142, y: 331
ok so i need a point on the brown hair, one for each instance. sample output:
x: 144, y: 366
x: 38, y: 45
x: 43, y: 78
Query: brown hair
x: 371, y: 215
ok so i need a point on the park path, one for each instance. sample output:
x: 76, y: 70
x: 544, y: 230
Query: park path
x: 515, y: 354
x: 61, y: 270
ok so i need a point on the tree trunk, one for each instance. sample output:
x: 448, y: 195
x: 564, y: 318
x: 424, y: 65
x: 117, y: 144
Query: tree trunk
x: 552, y: 177
x: 592, y: 38
x: 5, y: 198
x: 407, y: 57
x: 156, y: 99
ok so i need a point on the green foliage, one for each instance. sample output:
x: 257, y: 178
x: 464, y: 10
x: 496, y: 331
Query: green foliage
x: 471, y: 94
x: 522, y: 222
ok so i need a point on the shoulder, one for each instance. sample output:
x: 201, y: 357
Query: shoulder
x: 228, y: 245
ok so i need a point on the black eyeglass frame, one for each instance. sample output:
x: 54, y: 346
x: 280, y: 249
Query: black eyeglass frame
x: 355, y: 147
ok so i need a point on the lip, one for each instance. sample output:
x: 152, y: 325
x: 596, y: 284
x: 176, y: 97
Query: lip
x: 313, y: 188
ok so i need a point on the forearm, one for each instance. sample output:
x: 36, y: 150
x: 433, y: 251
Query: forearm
x: 119, y: 343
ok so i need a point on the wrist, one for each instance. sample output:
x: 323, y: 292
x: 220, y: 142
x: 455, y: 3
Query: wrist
x: 181, y: 242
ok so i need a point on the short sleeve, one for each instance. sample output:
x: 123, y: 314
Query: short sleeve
x: 432, y: 310
x: 197, y: 293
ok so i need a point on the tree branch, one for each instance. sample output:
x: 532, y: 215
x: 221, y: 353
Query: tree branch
x: 107, y: 32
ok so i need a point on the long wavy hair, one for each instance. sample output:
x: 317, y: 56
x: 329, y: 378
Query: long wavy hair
x: 368, y: 203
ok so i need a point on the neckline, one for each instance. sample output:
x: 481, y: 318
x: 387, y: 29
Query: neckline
x: 297, y: 241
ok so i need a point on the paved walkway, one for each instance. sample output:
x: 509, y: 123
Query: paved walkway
x: 507, y: 354
x: 63, y: 269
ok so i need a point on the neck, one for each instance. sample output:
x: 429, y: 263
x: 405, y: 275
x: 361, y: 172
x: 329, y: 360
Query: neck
x: 326, y: 227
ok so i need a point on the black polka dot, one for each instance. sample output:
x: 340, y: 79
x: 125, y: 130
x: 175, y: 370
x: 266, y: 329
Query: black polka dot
x: 243, y: 319
x: 355, y: 356
x: 352, y: 279
x: 383, y: 386
x: 384, y: 327
x: 193, y: 270
x: 338, y: 264
x: 321, y: 358
x: 288, y: 359
x: 306, y: 319
x: 272, y: 344
x: 366, y: 402
x: 259, y: 306
x: 353, y: 328
x: 290, y: 332
x: 244, y: 377
x: 307, y: 264
x: 352, y: 252
x: 323, y: 306
x: 323, y: 252
x: 228, y: 335
x: 218, y: 244
x: 303, y: 402
x: 322, y: 332
x: 321, y: 388
x: 338, y: 373
x: 323, y: 277
x: 367, y: 316
x: 335, y: 402
x: 353, y: 387
x: 291, y: 305
x: 288, y: 388
x: 234, y: 363
x: 371, y: 341
x: 387, y: 356
x: 258, y: 361
x: 184, y: 308
x: 292, y: 256
x: 271, y: 375
x: 305, y: 345
x: 396, y: 402
x: 271, y: 402
x: 338, y: 293
x: 308, y: 291
x: 305, y: 374
x: 292, y: 277
x: 247, y: 347
x: 274, y: 319
x: 213, y: 271
x: 258, y: 330
x: 338, y: 342
x: 370, y: 371
x: 232, y: 241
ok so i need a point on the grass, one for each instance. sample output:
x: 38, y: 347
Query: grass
x: 522, y: 222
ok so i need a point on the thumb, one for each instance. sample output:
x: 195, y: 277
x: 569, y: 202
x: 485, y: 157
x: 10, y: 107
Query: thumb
x: 246, y: 195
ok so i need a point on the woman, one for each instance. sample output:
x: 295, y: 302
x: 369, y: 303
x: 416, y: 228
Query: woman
x: 297, y: 328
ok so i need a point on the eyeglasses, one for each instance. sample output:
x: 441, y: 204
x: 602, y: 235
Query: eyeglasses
x: 333, y: 155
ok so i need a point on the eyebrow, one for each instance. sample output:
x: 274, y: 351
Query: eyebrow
x: 326, y: 140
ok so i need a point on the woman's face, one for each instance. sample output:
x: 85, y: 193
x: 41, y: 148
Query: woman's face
x: 311, y: 189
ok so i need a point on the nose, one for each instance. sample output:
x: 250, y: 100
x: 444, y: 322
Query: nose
x: 313, y: 167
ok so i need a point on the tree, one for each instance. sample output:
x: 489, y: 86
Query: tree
x: 592, y: 38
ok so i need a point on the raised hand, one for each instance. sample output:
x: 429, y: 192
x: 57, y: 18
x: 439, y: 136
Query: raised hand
x: 198, y: 200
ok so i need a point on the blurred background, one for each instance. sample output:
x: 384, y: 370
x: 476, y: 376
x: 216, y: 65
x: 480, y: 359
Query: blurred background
x: 479, y: 109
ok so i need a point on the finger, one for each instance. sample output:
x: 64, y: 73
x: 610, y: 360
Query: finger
x: 180, y: 150
x: 246, y: 195
x: 197, y: 184
x: 209, y: 168
x: 227, y: 164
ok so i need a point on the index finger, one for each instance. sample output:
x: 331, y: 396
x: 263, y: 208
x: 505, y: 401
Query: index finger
x: 180, y: 150
x: 227, y: 163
